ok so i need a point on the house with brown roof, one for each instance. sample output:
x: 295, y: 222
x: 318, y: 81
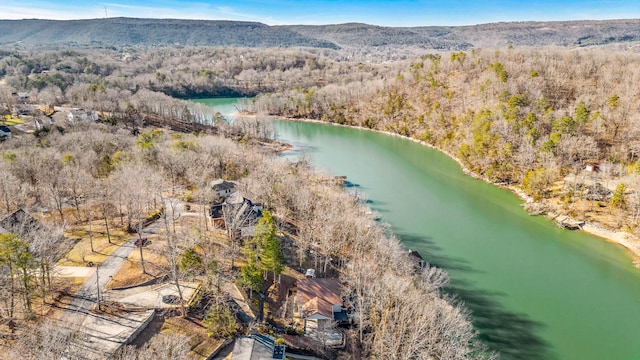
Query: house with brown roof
x: 319, y: 304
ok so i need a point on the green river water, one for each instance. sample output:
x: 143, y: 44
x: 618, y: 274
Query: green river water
x: 535, y: 291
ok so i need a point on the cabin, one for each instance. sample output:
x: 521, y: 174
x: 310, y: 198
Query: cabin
x: 223, y: 189
x: 22, y: 223
x: 319, y: 305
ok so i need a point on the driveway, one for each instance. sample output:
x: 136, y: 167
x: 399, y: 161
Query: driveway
x: 114, y: 330
x: 86, y: 298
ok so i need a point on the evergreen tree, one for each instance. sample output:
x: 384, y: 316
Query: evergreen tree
x: 191, y: 261
x: 219, y: 322
x: 251, y: 276
x: 619, y: 199
x: 271, y: 258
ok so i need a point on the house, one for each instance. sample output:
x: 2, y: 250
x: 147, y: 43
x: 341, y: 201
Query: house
x: 223, y: 189
x: 21, y: 110
x: 5, y: 132
x: 416, y: 259
x: 238, y: 213
x: 20, y: 96
x: 592, y: 167
x: 22, y: 223
x: 257, y: 347
x: 319, y: 304
x: 81, y: 115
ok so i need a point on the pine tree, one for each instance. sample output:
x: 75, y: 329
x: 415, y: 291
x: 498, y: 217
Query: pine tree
x: 270, y: 254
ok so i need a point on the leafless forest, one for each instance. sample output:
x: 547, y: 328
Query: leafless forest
x: 148, y: 147
x: 561, y: 124
x: 524, y: 117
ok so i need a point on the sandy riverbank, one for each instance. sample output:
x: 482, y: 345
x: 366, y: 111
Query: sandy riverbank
x: 236, y: 114
x: 630, y: 242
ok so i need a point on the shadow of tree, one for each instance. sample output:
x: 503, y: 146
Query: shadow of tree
x: 513, y: 335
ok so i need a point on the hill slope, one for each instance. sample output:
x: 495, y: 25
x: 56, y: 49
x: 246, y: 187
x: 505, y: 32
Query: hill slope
x: 127, y: 32
x: 132, y: 32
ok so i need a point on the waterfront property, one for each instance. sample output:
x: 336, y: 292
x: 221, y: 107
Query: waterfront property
x: 319, y: 305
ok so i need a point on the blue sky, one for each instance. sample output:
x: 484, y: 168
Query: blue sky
x: 280, y: 12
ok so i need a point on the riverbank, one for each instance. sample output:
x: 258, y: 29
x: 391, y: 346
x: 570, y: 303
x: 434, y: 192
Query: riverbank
x: 621, y: 238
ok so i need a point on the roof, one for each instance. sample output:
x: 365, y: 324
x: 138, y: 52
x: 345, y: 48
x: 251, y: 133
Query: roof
x: 257, y: 347
x: 216, y: 211
x: 416, y: 259
x: 235, y: 199
x: 310, y: 272
x: 317, y: 296
x: 21, y: 223
x: 221, y: 185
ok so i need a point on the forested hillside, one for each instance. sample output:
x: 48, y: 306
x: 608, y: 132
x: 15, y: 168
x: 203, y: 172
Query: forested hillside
x: 145, y: 149
x: 111, y: 175
x: 151, y: 32
x: 346, y: 41
x: 527, y: 117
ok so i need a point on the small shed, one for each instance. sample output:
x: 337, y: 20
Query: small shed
x: 592, y: 166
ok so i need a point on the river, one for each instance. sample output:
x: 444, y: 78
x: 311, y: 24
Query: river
x: 535, y: 291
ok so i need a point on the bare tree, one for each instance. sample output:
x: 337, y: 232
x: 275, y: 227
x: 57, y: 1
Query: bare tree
x: 169, y: 216
x: 138, y: 185
x: 10, y: 188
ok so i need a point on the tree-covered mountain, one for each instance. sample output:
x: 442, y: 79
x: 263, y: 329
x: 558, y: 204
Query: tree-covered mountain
x: 151, y: 32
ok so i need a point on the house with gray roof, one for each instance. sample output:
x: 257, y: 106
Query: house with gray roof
x: 5, y: 132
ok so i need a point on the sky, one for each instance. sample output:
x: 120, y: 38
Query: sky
x: 316, y: 12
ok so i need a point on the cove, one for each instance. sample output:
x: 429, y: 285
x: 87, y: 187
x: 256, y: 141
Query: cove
x: 535, y: 291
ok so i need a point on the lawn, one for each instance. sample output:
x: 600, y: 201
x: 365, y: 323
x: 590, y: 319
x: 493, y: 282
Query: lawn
x: 130, y: 273
x: 81, y: 253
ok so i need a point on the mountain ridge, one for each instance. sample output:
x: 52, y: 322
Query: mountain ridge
x: 169, y: 32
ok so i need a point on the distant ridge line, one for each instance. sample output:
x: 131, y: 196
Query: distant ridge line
x: 124, y: 31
